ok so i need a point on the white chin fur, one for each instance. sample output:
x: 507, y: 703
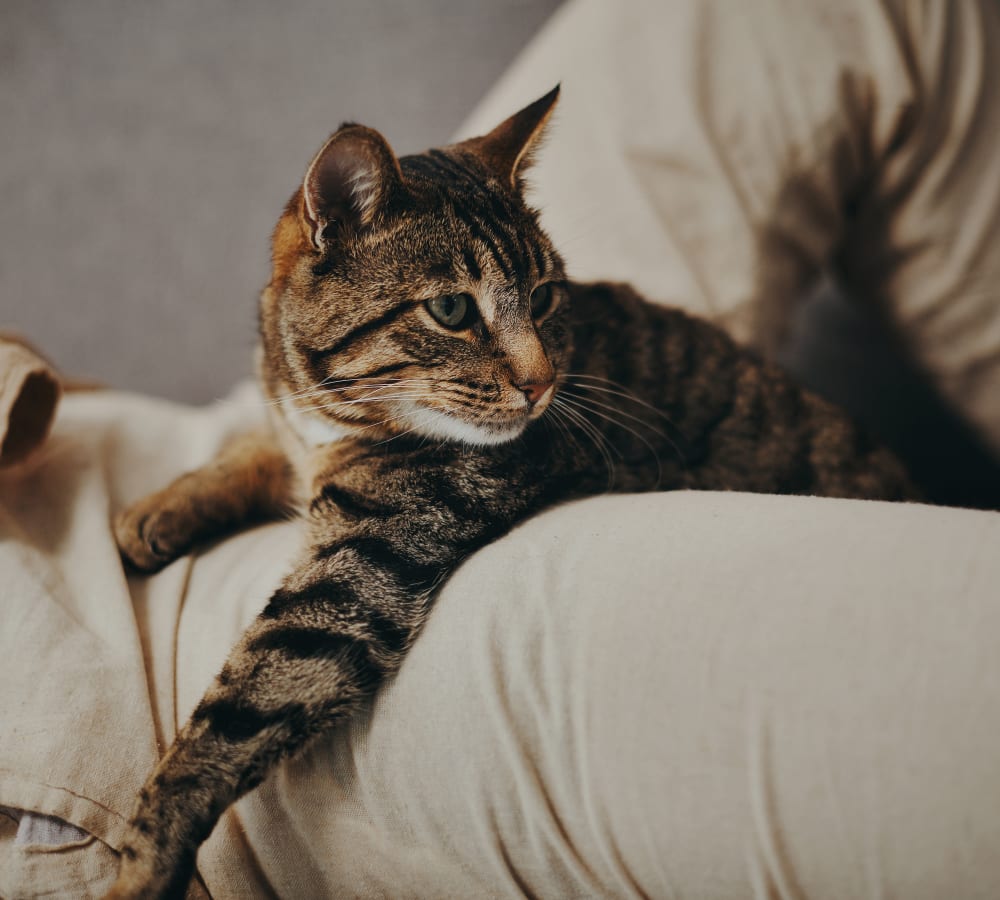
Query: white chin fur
x: 313, y: 430
x: 434, y: 424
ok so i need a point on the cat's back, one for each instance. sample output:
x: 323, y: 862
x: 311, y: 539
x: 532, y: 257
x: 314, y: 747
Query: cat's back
x: 742, y: 422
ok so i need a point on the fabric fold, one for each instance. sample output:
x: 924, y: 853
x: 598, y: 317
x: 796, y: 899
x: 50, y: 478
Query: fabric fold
x: 29, y: 395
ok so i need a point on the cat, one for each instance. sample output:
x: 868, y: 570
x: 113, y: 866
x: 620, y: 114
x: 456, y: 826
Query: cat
x: 435, y: 378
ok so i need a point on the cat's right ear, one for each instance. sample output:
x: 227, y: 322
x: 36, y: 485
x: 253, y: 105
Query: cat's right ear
x: 348, y: 183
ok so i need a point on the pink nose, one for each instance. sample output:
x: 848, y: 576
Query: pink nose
x: 535, y: 390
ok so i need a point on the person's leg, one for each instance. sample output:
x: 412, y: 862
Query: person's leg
x: 675, y: 695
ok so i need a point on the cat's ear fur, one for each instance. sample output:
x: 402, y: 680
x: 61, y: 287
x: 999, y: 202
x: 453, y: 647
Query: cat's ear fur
x: 348, y: 182
x: 509, y: 148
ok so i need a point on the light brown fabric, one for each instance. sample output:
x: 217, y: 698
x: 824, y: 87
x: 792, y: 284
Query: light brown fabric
x: 29, y: 394
x: 79, y: 734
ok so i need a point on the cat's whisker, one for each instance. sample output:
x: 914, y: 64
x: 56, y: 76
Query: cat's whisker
x: 360, y: 428
x: 590, y: 401
x: 361, y: 401
x: 400, y: 434
x: 305, y: 393
x: 367, y: 401
x: 599, y: 440
x: 573, y: 418
x: 313, y: 388
x: 553, y: 423
x: 377, y: 424
x: 559, y: 420
x: 617, y: 389
x: 373, y: 398
x: 634, y: 398
x: 324, y: 388
x: 585, y: 404
x: 589, y: 427
x: 594, y: 404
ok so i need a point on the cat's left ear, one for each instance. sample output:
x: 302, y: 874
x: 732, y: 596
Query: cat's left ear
x: 509, y: 148
x: 349, y: 182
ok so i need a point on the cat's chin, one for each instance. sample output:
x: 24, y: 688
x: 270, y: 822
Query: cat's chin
x: 437, y: 425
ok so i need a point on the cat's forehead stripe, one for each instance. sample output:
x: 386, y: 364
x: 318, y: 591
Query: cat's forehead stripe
x: 441, y: 268
x: 487, y: 213
x: 541, y: 263
x: 482, y: 232
x: 471, y: 265
x: 503, y: 241
x: 358, y: 331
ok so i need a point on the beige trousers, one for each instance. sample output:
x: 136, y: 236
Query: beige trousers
x: 670, y: 696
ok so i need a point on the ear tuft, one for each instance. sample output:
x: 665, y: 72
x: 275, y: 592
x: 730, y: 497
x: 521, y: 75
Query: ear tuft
x: 348, y: 182
x: 509, y: 148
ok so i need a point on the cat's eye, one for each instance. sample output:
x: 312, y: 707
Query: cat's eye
x: 542, y: 298
x: 455, y: 311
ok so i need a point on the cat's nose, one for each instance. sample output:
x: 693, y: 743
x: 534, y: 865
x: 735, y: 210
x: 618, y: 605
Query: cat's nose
x: 535, y: 390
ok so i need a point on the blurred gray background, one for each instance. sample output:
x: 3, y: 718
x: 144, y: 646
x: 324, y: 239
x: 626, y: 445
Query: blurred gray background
x: 146, y: 151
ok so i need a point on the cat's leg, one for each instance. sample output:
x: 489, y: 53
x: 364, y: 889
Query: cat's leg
x: 389, y: 525
x: 249, y: 479
x: 326, y: 641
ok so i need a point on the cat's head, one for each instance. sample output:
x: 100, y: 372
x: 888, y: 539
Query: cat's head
x: 418, y: 293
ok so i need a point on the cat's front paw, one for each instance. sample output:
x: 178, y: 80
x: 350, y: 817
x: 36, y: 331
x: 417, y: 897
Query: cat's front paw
x: 154, y: 532
x: 137, y: 880
x: 121, y: 891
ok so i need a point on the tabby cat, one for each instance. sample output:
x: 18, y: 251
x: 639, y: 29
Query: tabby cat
x: 436, y: 379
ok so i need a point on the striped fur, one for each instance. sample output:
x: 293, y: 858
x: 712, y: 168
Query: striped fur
x: 647, y: 398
